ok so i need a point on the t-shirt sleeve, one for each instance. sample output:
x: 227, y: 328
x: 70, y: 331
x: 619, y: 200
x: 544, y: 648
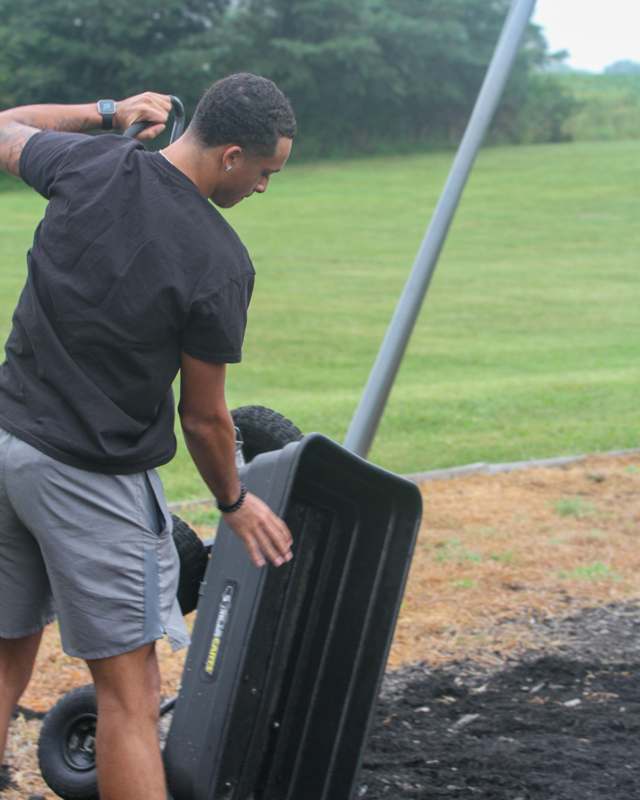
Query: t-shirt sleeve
x: 217, y: 322
x: 43, y: 157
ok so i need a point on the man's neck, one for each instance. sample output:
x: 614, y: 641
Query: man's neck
x: 199, y: 165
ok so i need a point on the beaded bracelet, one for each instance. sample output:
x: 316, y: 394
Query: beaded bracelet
x: 234, y: 506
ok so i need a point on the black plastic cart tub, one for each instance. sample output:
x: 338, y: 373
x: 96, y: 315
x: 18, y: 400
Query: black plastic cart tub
x: 285, y: 664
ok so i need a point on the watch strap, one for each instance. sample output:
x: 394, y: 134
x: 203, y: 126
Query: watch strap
x: 107, y: 117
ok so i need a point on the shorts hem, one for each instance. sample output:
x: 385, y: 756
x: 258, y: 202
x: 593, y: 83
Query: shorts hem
x: 29, y: 631
x: 177, y: 643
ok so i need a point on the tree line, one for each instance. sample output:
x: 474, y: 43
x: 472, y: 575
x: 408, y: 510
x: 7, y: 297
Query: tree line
x: 362, y: 75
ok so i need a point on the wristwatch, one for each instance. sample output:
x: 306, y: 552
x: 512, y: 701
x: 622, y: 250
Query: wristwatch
x: 107, y: 110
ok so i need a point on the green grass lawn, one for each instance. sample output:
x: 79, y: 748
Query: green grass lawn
x: 529, y: 341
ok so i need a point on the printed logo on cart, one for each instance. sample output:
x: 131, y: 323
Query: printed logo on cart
x: 222, y: 620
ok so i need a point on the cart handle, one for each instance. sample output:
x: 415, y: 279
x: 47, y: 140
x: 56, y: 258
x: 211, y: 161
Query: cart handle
x: 178, y: 122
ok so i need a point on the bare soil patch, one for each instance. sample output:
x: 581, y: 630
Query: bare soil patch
x: 514, y: 670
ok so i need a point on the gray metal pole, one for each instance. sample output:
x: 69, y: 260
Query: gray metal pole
x: 367, y: 417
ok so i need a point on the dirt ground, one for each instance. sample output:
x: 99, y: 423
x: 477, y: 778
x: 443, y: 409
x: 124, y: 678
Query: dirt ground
x: 514, y: 669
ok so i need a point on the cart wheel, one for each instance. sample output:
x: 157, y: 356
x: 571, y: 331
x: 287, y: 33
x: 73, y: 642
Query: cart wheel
x: 193, y: 563
x: 66, y: 748
x: 263, y: 430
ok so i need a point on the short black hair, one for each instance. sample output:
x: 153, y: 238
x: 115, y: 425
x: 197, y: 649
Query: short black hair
x: 244, y: 109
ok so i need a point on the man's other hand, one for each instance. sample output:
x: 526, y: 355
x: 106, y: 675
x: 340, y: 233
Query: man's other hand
x: 263, y: 533
x: 145, y: 107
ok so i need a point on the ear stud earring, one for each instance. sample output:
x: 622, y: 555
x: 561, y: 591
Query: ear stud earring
x: 228, y: 168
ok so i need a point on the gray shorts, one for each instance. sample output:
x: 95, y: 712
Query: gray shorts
x: 94, y: 550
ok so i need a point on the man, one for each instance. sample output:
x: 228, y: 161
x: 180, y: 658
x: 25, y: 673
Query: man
x: 132, y: 276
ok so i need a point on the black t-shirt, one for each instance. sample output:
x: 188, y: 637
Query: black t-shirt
x: 129, y: 267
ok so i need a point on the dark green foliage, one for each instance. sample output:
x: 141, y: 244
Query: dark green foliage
x: 608, y: 106
x: 361, y: 74
x: 78, y: 50
x: 541, y: 113
x: 371, y: 73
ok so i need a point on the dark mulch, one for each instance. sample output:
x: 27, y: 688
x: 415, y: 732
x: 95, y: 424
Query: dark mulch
x: 562, y: 724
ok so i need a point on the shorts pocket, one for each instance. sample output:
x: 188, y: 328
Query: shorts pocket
x: 156, y: 514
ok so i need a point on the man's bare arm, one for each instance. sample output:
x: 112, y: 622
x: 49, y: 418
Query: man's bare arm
x: 18, y: 125
x: 210, y: 438
x: 13, y: 137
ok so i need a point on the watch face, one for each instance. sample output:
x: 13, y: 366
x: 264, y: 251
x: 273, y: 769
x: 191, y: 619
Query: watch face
x: 107, y: 107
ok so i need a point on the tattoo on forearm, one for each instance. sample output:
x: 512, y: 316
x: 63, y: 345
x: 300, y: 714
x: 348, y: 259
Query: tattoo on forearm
x: 71, y: 119
x: 67, y: 125
x: 13, y: 137
x: 17, y: 125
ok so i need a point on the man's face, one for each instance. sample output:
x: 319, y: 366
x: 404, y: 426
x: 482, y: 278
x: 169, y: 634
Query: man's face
x: 249, y: 173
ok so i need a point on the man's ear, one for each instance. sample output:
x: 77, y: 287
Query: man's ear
x: 231, y: 157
